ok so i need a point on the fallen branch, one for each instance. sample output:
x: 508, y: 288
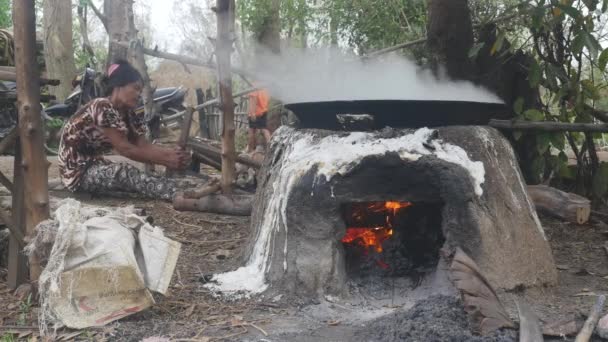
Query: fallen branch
x: 548, y: 126
x: 591, y: 322
x: 180, y: 58
x: 238, y: 205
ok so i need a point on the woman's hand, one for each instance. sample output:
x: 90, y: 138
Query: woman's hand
x: 185, y: 157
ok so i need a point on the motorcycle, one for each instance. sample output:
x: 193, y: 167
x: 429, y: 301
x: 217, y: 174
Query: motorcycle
x: 168, y: 101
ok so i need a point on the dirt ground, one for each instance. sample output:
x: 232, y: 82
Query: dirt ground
x: 214, y: 243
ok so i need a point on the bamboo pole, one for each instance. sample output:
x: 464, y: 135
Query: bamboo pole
x: 35, y: 165
x: 548, y: 126
x: 225, y: 33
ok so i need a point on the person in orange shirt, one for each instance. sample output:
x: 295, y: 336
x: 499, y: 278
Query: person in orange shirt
x: 258, y: 113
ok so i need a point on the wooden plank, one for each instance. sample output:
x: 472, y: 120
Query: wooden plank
x: 17, y: 262
x: 31, y: 132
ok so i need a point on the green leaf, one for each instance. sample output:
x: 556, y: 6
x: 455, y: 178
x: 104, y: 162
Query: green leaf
x: 534, y: 75
x: 578, y: 43
x: 558, y: 140
x: 603, y: 60
x: 569, y: 10
x: 498, y: 44
x: 589, y: 90
x: 591, y: 4
x: 518, y: 106
x: 563, y: 157
x: 475, y: 50
x: 543, y: 141
x: 534, y: 115
x: 517, y: 135
x: 604, y: 6
x: 591, y: 43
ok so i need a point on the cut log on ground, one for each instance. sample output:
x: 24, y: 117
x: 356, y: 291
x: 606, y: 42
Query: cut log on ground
x: 209, y: 188
x: 207, y: 161
x: 566, y: 206
x: 591, y: 321
x: 237, y: 205
x: 183, y: 136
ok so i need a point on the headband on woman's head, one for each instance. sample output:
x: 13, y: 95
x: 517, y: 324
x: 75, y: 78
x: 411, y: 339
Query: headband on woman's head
x: 112, y: 68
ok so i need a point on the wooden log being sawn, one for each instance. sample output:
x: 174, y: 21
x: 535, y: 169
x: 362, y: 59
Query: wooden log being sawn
x: 238, y: 205
x: 183, y: 136
x: 554, y: 202
x: 215, y: 154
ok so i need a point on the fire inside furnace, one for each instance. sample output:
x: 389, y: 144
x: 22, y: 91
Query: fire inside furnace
x: 391, y: 237
x: 369, y: 225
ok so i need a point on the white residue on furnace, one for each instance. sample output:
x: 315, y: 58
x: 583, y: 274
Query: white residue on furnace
x: 332, y: 155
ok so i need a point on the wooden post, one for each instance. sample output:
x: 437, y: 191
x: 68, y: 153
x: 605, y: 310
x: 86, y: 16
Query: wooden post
x: 182, y: 141
x: 34, y: 164
x: 225, y: 34
x: 17, y: 262
x: 202, y: 115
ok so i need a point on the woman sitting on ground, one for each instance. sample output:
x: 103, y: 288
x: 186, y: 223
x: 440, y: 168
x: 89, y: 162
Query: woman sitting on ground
x: 110, y: 123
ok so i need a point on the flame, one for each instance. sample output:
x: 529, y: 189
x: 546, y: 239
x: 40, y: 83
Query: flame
x: 367, y: 237
x: 373, y: 237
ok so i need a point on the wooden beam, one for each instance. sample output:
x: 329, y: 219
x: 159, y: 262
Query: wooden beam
x: 31, y: 132
x: 17, y: 262
x: 225, y: 31
x: 12, y: 77
x: 6, y: 182
x: 207, y: 104
x: 548, y: 126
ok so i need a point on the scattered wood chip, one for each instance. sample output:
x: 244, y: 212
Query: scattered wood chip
x: 333, y: 323
x: 585, y: 294
x: 69, y: 337
x: 563, y: 267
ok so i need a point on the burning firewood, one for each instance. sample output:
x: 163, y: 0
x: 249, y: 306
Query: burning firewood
x: 480, y: 300
x: 554, y: 202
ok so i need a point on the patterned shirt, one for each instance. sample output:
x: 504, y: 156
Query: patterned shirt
x: 83, y: 142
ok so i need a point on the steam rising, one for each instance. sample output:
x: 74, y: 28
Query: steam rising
x: 329, y: 75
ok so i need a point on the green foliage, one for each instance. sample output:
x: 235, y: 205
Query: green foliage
x: 7, y: 338
x: 6, y: 18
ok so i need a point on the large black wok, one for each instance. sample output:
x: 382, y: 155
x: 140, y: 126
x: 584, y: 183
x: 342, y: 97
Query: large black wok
x: 399, y: 113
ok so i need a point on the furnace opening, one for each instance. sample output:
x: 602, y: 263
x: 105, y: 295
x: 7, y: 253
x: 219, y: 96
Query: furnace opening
x: 391, y: 238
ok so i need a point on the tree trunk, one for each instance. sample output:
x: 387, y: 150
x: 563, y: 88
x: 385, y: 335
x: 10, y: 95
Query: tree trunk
x: 116, y: 12
x: 225, y: 33
x: 58, y: 46
x: 450, y: 37
x: 35, y: 165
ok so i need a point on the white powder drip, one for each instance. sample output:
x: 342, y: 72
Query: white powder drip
x: 332, y: 155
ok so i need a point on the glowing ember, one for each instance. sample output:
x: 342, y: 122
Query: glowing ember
x: 368, y: 214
